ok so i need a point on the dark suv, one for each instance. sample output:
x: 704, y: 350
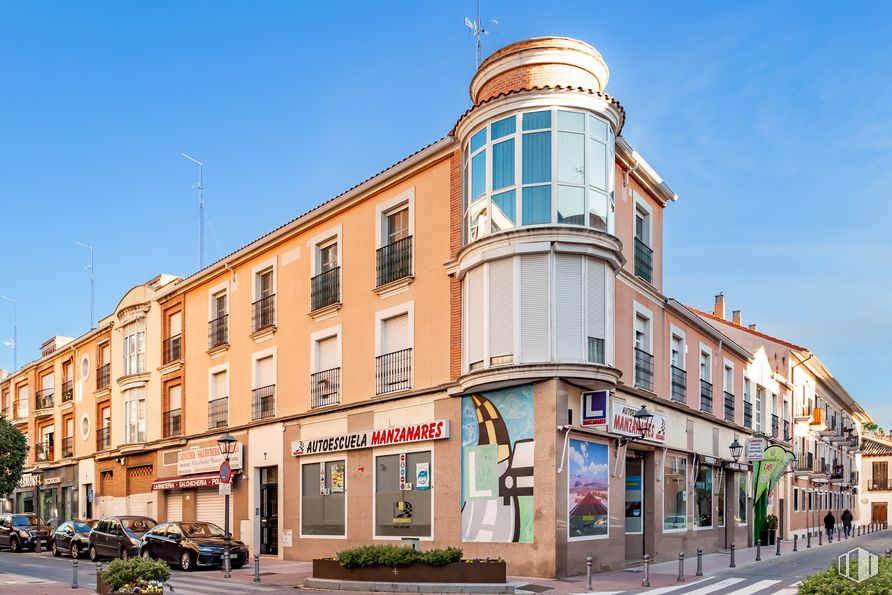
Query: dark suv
x: 21, y: 531
x: 118, y: 536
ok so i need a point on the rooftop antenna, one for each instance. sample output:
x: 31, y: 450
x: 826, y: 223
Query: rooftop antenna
x: 477, y: 29
x: 92, y: 285
x: 200, y: 188
x: 15, y: 342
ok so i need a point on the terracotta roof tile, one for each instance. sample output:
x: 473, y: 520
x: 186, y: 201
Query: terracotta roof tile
x: 746, y: 329
x: 873, y: 447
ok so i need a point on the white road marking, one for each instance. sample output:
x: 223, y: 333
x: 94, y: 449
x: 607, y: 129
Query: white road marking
x: 754, y: 588
x: 662, y: 590
x: 715, y: 587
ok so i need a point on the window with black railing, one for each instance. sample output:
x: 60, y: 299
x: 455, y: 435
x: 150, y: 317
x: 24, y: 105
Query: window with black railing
x: 644, y: 256
x: 837, y: 471
x: 678, y: 383
x: 172, y: 422
x: 102, y: 376
x: 103, y: 438
x: 853, y: 477
x: 325, y: 289
x: 218, y: 331
x: 775, y: 426
x: 787, y: 430
x: 395, y: 261
x: 729, y: 406
x: 67, y: 390
x: 44, y: 398
x: 67, y: 447
x: 705, y: 396
x: 393, y: 371
x: 218, y: 413
x: 644, y: 369
x: 325, y: 388
x: 171, y: 349
x: 747, y: 414
x: 43, y: 451
x: 264, y: 313
x: 263, y: 402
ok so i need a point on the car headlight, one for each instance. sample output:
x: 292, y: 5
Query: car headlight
x: 24, y: 533
x: 134, y: 541
x: 206, y: 550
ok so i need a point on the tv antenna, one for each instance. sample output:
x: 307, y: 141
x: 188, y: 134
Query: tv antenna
x: 92, y: 284
x: 477, y: 29
x: 200, y: 187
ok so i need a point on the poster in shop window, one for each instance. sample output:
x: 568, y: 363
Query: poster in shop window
x: 337, y: 477
x: 422, y: 476
x: 587, y: 467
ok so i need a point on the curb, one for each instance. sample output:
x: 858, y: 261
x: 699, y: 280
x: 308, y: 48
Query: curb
x: 381, y: 587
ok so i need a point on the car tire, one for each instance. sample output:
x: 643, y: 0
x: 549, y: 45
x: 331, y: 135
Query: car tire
x: 75, y: 551
x: 55, y: 550
x: 94, y: 555
x: 187, y: 561
x: 125, y: 553
x: 14, y: 546
x: 146, y: 553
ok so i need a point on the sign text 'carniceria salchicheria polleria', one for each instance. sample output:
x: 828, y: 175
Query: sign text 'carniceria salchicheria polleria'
x: 435, y: 430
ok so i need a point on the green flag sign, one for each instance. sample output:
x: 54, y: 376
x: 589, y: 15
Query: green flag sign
x: 770, y: 469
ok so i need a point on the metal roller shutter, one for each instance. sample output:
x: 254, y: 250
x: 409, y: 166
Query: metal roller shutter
x: 569, y: 323
x: 209, y: 507
x: 174, y: 505
x: 535, y: 308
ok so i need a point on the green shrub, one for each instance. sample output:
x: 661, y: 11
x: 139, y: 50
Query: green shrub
x: 394, y: 555
x: 830, y: 582
x: 124, y: 572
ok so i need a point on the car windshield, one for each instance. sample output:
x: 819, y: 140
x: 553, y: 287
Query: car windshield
x: 202, y: 530
x: 84, y: 527
x: 24, y: 520
x: 138, y: 526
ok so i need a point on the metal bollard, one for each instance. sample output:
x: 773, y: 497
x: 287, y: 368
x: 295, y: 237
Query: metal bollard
x: 699, y: 561
x: 74, y: 574
x: 777, y: 540
x: 808, y: 540
x: 588, y: 571
x: 796, y: 543
x: 680, y: 578
x: 758, y: 550
x: 646, y: 581
x: 256, y: 568
x: 820, y: 538
x: 732, y: 564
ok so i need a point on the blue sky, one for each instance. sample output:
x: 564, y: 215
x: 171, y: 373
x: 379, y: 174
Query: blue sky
x: 773, y: 124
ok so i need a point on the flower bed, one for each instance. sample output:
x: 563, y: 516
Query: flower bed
x: 134, y: 575
x: 394, y: 564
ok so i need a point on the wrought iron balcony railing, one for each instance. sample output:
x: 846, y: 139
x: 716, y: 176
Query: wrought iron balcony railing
x: 775, y: 426
x: 263, y: 402
x: 44, y: 398
x: 729, y: 406
x: 172, y: 423
x: 264, y: 314
x: 102, y: 376
x: 325, y: 289
x: 43, y: 451
x: 393, y: 371
x: 644, y: 369
x: 325, y: 388
x: 394, y: 261
x: 678, y: 384
x: 171, y: 349
x: 218, y: 413
x: 218, y: 331
x: 705, y: 396
x: 644, y: 256
x: 747, y: 414
x: 67, y: 447
x: 103, y: 438
x: 67, y: 390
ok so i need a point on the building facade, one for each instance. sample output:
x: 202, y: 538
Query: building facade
x: 875, y: 489
x: 471, y: 348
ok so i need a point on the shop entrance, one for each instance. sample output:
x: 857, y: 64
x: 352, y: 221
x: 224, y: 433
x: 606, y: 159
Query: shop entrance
x: 634, y: 506
x: 269, y: 510
x: 878, y: 512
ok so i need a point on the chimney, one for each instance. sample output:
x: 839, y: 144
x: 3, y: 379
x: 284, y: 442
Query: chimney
x: 737, y: 318
x: 719, y: 308
x: 752, y: 327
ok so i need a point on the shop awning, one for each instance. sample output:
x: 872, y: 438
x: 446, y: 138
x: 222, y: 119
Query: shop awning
x: 180, y: 482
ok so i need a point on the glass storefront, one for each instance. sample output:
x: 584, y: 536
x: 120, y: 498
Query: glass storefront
x: 634, y: 495
x: 323, y: 498
x: 675, y: 493
x: 703, y: 497
x: 403, y: 494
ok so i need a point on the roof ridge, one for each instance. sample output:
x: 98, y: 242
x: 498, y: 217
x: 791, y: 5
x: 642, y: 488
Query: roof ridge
x: 746, y: 329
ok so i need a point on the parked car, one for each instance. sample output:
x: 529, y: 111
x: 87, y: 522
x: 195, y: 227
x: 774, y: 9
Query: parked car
x: 118, y: 536
x: 72, y: 537
x: 22, y: 531
x: 191, y: 544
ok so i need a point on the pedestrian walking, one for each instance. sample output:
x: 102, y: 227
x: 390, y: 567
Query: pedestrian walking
x: 829, y: 525
x: 846, y: 519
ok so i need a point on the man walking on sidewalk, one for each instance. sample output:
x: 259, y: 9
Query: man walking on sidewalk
x: 846, y: 519
x: 829, y: 524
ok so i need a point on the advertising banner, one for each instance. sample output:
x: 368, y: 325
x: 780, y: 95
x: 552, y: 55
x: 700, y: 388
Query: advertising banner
x: 622, y: 421
x: 770, y: 469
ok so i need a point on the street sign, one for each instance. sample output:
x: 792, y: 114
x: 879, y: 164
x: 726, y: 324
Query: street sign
x: 755, y: 449
x: 225, y: 489
x: 225, y: 473
x: 594, y: 408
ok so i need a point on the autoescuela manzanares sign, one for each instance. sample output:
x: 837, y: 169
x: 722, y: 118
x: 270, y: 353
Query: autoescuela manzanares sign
x: 435, y: 430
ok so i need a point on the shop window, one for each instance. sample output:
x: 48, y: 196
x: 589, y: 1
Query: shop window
x: 741, y: 498
x: 323, y: 499
x: 587, y: 491
x: 403, y: 500
x: 703, y: 498
x: 720, y: 498
x: 634, y: 496
x: 675, y: 493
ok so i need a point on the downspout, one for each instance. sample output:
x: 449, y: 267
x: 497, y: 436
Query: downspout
x: 630, y: 171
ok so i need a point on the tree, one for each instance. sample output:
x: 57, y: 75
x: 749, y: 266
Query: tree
x: 13, y: 455
x: 872, y: 429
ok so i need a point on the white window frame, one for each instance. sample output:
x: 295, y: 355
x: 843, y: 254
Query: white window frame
x: 256, y: 270
x: 677, y: 333
x: 727, y: 365
x: 382, y: 315
x: 389, y: 206
x: 325, y: 238
x: 128, y: 439
x: 214, y: 292
x: 322, y: 460
x: 570, y: 505
x: 758, y: 408
x: 639, y: 203
x: 707, y: 351
x: 259, y: 355
x: 321, y: 335
x: 644, y: 312
x: 396, y: 450
x: 216, y: 370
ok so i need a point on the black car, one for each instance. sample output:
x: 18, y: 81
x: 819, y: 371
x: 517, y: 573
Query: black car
x: 118, y: 536
x: 72, y: 537
x: 22, y: 531
x: 191, y: 544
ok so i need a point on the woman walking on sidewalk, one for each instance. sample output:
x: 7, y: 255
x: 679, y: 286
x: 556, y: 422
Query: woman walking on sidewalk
x: 846, y: 519
x: 829, y: 524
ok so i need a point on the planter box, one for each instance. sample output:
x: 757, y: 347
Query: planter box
x: 456, y: 572
x: 103, y: 589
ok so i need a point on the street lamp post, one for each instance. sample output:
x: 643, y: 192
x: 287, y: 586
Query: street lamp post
x: 227, y: 444
x: 643, y: 424
x: 37, y: 476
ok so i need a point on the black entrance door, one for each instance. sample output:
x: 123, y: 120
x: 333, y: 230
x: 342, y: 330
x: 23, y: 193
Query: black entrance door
x: 269, y: 511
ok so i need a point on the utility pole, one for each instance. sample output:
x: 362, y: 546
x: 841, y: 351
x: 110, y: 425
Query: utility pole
x: 15, y: 338
x: 200, y: 188
x: 92, y: 286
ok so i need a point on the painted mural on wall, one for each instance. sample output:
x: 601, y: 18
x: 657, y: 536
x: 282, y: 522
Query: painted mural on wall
x: 587, y: 489
x: 497, y: 466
